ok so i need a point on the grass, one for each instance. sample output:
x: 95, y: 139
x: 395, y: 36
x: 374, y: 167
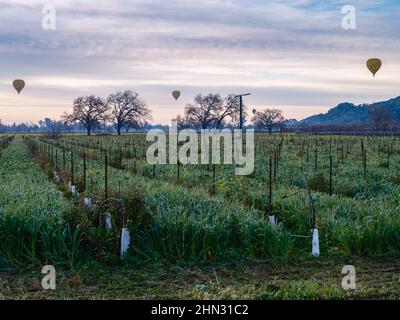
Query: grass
x: 188, y: 243
x: 188, y: 223
x: 377, y: 278
x: 177, y: 226
x: 31, y: 229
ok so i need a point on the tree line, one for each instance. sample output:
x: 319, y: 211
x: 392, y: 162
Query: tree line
x: 214, y: 112
x: 125, y: 110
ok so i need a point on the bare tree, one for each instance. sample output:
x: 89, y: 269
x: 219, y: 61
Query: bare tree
x: 211, y: 111
x: 268, y: 119
x: 127, y: 110
x: 182, y: 123
x: 230, y: 112
x: 89, y: 111
x: 204, y: 111
x: 380, y: 118
x: 51, y: 126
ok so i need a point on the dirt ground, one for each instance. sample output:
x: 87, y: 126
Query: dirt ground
x: 376, y: 278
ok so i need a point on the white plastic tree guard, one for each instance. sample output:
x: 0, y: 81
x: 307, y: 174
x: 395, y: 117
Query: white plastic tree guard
x: 315, y: 243
x: 73, y: 189
x: 56, y: 176
x: 123, y: 234
x: 88, y: 202
x: 125, y: 241
x: 108, y: 221
x: 272, y: 220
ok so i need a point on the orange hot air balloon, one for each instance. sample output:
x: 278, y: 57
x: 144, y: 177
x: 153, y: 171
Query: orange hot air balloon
x: 176, y: 94
x: 374, y: 65
x: 18, y: 85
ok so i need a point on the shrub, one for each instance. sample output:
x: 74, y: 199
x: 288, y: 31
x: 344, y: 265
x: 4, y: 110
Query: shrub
x: 318, y: 182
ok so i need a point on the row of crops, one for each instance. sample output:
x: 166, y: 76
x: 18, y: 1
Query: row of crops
x: 166, y: 221
x: 31, y: 228
x: 354, y: 167
x: 177, y: 212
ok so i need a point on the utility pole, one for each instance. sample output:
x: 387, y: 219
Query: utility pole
x: 240, y: 96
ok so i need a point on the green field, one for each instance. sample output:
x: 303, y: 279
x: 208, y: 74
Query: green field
x: 201, y: 221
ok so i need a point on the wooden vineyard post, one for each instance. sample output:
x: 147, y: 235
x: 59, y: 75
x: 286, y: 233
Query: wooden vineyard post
x: 72, y: 167
x: 362, y: 148
x: 270, y: 187
x: 120, y: 158
x: 365, y: 164
x: 365, y: 168
x: 213, y: 179
x: 84, y: 172
x: 105, y: 177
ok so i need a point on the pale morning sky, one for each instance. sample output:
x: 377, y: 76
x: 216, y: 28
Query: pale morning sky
x: 296, y: 57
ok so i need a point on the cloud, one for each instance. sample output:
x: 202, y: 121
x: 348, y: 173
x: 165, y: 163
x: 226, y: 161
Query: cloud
x: 153, y: 46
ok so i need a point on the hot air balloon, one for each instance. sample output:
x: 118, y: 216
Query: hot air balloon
x: 18, y: 85
x: 176, y: 94
x: 374, y: 65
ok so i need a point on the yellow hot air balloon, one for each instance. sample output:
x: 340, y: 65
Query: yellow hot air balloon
x: 19, y: 85
x: 374, y: 65
x: 176, y: 94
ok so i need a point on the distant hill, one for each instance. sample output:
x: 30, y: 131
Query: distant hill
x: 350, y: 114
